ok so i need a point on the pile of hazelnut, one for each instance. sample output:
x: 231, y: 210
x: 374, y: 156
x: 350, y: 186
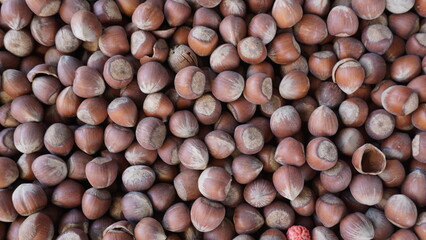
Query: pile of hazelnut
x: 213, y: 119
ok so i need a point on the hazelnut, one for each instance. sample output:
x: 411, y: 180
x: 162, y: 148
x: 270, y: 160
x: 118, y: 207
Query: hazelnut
x: 113, y: 41
x: 233, y: 7
x: 10, y: 172
x: 321, y: 64
x: 202, y: 40
x: 28, y: 198
x: 181, y: 56
x: 353, y: 112
x: 224, y: 57
x: 136, y: 206
x: 252, y: 50
x: 247, y: 219
x: 176, y: 12
x: 248, y: 139
x: 101, y: 172
x: 44, y: 29
x: 288, y: 181
x: 246, y: 168
x: 62, y: 192
x: 177, y: 218
x: 259, y: 193
x: 86, y: 26
x: 26, y: 108
x: 207, y: 109
x: 49, y: 169
x: 285, y: 121
x: 66, y: 69
x: 65, y: 41
x: 16, y: 14
x: 67, y: 103
x: 284, y: 49
x: 193, y: 154
x: 162, y: 196
x: 407, y: 102
x: 241, y: 109
x: 355, y: 226
x: 107, y: 11
x: 345, y: 68
x: 7, y: 211
x: 279, y: 215
x: 150, y: 133
x: 377, y: 38
x: 263, y: 26
x: 206, y: 223
x: 59, y: 139
x: 190, y: 82
x: 92, y: 111
x: 123, y: 111
x: 413, y: 186
x: 348, y: 47
x: 323, y: 122
x: 135, y: 154
x: 88, y: 82
x: 220, y: 144
x: 329, y: 210
x: 89, y: 138
x: 227, y: 86
x: 294, y: 85
x: 290, y: 151
x: 342, y: 22
x: 303, y: 29
x: 138, y: 178
x: 95, y: 203
x: 148, y: 16
x: 321, y: 154
x: 183, y: 124
x: 28, y: 137
x: 287, y: 13
x: 214, y: 183
x: 337, y: 178
x: 37, y: 226
x: 184, y: 185
x: 18, y: 42
x: 149, y: 228
x: 379, y: 124
x: 206, y: 17
x: 401, y: 211
x: 152, y: 77
x: 397, y: 7
x: 375, y: 9
x: 374, y: 66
